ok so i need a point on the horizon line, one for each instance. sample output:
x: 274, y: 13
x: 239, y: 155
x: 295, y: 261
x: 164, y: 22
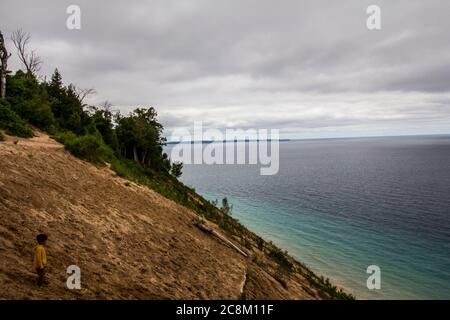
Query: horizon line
x: 306, y: 139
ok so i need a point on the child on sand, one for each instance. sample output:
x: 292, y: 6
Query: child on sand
x: 40, y: 258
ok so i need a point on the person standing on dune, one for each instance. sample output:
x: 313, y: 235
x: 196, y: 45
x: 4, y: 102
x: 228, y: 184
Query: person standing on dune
x: 40, y: 258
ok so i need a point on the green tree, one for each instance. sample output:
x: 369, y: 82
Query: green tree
x: 103, y: 121
x: 66, y: 106
x: 226, y: 206
x: 176, y: 169
x: 139, y: 138
x: 30, y: 100
x: 11, y: 122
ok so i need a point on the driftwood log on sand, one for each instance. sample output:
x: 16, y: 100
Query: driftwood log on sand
x: 222, y: 238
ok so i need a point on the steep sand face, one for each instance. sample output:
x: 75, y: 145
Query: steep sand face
x: 130, y: 242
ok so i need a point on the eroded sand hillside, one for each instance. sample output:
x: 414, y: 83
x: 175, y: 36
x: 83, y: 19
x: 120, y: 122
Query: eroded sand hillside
x: 130, y: 242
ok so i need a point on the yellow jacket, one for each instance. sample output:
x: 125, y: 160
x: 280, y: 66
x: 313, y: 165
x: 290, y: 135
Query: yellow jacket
x: 40, y: 257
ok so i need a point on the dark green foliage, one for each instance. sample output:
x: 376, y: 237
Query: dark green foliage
x: 326, y: 289
x: 56, y: 108
x: 11, y: 122
x: 29, y: 100
x: 66, y: 106
x: 176, y: 169
x: 56, y: 84
x: 226, y: 206
x: 260, y: 243
x: 89, y: 147
x: 2, y: 137
x: 282, y: 259
x: 102, y: 120
x: 139, y: 138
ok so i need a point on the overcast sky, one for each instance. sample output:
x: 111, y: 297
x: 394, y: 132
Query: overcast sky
x: 309, y: 68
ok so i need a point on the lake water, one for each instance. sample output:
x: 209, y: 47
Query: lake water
x: 340, y: 205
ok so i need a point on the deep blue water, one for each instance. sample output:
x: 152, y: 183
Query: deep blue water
x: 340, y: 205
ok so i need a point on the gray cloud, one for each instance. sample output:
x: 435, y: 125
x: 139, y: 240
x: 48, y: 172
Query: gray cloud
x: 307, y: 67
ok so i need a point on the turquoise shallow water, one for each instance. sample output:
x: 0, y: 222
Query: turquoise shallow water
x: 342, y: 205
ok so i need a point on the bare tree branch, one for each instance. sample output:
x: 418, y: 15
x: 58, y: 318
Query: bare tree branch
x: 106, y: 106
x: 28, y: 57
x: 82, y: 94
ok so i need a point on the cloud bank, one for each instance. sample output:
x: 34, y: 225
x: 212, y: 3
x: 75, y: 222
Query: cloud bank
x: 309, y: 68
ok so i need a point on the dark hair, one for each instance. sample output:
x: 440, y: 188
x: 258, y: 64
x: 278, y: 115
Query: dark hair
x: 41, y: 238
